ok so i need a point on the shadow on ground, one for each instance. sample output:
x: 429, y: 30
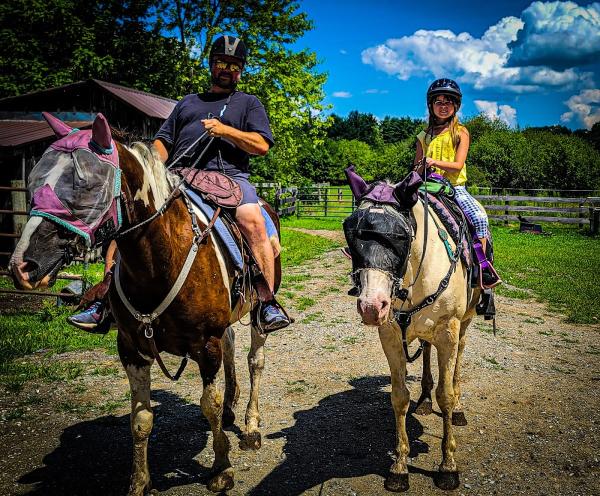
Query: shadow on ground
x: 348, y: 434
x: 94, y: 457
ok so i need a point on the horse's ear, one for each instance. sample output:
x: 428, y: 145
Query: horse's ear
x: 358, y: 186
x: 59, y: 127
x: 407, y: 190
x: 101, y: 132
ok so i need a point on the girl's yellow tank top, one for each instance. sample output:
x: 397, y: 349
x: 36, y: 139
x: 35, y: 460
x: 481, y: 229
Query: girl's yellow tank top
x: 442, y: 148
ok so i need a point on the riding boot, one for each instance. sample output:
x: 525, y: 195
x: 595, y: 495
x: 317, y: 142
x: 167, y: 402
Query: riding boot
x: 488, y: 277
x: 486, y: 305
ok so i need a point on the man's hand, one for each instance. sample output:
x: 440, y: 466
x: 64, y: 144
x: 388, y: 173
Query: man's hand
x: 214, y: 127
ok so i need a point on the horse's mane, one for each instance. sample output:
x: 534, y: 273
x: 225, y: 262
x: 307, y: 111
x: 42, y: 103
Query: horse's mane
x: 159, y: 179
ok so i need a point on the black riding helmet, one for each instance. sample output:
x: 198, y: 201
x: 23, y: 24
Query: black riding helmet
x: 230, y: 46
x: 447, y: 87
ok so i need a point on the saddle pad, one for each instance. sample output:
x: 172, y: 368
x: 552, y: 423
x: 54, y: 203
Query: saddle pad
x: 450, y: 223
x: 223, y: 232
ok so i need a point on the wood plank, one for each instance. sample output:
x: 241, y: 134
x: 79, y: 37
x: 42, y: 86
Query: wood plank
x: 527, y: 208
x: 535, y: 199
x: 559, y: 220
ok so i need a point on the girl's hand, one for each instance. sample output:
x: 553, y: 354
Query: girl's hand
x: 430, y: 162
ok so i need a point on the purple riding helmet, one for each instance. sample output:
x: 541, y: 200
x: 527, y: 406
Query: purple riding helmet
x: 77, y: 181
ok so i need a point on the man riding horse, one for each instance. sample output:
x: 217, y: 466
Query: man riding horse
x: 239, y: 126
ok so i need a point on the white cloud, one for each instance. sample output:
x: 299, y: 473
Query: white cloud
x: 375, y: 91
x: 504, y: 113
x: 585, y: 106
x: 343, y: 52
x: 341, y: 94
x: 482, y: 62
x: 557, y: 35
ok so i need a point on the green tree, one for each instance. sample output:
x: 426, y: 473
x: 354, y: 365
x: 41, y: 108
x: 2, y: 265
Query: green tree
x: 357, y: 126
x: 394, y: 129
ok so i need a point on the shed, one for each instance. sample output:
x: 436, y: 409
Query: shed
x: 24, y: 134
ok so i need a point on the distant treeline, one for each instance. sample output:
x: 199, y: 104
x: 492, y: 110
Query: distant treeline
x: 544, y: 157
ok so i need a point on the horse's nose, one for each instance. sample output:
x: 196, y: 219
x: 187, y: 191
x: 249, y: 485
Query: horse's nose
x: 373, y: 311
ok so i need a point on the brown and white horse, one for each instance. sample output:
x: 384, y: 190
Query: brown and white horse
x: 400, y: 263
x: 196, y: 323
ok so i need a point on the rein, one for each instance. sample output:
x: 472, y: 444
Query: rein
x: 146, y: 319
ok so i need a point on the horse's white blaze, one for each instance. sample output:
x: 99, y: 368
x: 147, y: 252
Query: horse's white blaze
x: 17, y: 257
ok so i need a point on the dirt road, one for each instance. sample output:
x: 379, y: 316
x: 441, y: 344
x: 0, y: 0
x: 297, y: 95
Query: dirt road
x: 531, y: 398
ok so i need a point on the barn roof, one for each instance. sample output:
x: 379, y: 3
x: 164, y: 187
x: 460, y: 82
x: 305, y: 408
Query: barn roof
x: 15, y: 133
x: 147, y: 103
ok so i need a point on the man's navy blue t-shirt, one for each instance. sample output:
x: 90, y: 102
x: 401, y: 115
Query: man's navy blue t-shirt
x: 183, y: 127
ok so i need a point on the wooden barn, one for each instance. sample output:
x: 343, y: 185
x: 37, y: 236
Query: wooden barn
x: 24, y: 134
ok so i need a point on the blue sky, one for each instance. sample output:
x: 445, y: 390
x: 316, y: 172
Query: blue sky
x: 528, y: 64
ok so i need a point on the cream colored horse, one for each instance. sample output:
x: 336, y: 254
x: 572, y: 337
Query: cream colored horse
x: 443, y: 323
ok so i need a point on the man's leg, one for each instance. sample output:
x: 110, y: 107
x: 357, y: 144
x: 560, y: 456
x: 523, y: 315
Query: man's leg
x: 95, y: 316
x: 252, y: 225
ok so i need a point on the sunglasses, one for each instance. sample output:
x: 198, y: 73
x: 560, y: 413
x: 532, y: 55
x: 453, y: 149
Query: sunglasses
x: 231, y: 66
x: 443, y: 103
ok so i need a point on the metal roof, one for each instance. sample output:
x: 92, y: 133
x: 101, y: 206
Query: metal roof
x: 149, y: 104
x: 15, y: 133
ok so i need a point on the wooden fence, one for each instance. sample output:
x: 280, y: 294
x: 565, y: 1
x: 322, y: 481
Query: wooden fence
x: 539, y: 206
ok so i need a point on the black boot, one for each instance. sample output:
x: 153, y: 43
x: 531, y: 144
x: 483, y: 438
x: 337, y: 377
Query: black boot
x: 272, y: 317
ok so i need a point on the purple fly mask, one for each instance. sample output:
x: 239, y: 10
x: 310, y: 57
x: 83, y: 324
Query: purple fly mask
x: 404, y: 194
x: 77, y: 181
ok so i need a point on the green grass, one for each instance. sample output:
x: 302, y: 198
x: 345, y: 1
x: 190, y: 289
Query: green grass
x: 299, y: 247
x: 312, y: 223
x: 561, y: 269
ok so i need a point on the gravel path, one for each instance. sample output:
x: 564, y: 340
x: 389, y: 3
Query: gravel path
x: 530, y: 395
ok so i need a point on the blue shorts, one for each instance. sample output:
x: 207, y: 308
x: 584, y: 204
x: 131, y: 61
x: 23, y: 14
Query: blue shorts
x: 248, y: 190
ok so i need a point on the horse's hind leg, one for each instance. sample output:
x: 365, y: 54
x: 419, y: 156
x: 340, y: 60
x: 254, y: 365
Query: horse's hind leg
x: 141, y: 426
x: 397, y: 479
x: 425, y: 405
x: 446, y: 343
x: 458, y: 415
x: 212, y: 408
x: 256, y: 363
x: 232, y: 389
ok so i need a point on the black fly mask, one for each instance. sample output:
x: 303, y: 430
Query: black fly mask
x: 379, y: 233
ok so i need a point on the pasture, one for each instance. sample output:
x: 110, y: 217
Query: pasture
x: 530, y: 393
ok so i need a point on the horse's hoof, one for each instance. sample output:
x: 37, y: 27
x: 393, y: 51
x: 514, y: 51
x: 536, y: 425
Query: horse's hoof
x: 397, y: 483
x: 140, y: 488
x: 458, y: 418
x: 424, y: 408
x: 221, y: 482
x: 251, y: 441
x: 446, y: 480
x: 228, y: 418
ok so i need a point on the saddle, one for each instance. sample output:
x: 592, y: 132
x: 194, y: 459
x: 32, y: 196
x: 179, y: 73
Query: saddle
x: 211, y: 190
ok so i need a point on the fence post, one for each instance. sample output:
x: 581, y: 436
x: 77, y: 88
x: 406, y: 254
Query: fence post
x: 19, y: 203
x: 506, y: 203
x: 581, y: 215
x: 325, y: 208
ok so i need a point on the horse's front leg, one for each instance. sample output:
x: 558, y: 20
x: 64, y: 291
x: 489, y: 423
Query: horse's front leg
x: 256, y: 363
x: 141, y: 426
x: 232, y: 389
x: 212, y: 407
x: 458, y: 415
x: 446, y: 343
x: 397, y: 479
x: 425, y: 405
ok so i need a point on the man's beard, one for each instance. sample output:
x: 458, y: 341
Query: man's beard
x: 227, y: 83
